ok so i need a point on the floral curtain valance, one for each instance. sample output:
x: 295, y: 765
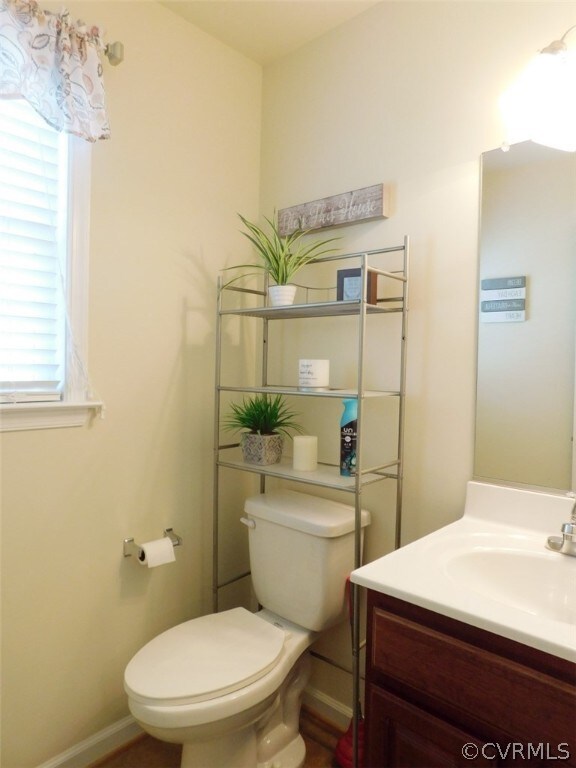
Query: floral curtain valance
x: 55, y: 64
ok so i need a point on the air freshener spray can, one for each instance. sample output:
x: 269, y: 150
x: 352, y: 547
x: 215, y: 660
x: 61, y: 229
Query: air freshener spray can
x: 348, y: 434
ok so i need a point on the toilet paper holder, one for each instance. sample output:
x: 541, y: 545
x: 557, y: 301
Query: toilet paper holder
x: 131, y: 548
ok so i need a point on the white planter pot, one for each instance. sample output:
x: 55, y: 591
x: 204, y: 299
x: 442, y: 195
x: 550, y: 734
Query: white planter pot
x: 281, y: 295
x: 261, y: 449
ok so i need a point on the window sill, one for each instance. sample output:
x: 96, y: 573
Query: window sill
x: 26, y: 416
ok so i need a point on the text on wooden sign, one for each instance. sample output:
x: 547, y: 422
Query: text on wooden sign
x: 347, y: 208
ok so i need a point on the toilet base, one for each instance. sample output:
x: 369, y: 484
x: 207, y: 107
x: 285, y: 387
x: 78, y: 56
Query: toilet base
x: 238, y: 752
x: 292, y: 756
x: 270, y: 739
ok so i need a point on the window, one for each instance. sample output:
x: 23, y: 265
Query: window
x: 44, y: 206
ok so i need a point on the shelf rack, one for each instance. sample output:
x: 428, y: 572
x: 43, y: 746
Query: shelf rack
x: 327, y: 476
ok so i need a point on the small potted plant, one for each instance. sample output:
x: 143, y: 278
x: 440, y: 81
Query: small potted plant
x: 266, y: 420
x: 282, y: 256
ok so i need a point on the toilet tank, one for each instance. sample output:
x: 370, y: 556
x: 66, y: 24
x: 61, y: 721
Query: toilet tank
x: 301, y: 553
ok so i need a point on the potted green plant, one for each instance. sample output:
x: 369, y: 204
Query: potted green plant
x: 265, y: 421
x: 282, y: 256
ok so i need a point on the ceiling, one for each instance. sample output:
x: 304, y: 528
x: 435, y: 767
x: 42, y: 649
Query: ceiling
x: 264, y: 30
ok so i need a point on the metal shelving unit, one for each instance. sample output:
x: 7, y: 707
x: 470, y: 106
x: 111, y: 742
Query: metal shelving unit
x: 327, y: 476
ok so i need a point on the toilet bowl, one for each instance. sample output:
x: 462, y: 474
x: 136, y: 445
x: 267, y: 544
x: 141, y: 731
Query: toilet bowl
x: 227, y: 686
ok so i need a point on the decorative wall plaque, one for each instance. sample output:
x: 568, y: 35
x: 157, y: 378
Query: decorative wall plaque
x: 503, y: 299
x: 348, y: 208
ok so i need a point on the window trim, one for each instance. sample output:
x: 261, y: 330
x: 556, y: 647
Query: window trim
x: 74, y: 410
x: 17, y: 417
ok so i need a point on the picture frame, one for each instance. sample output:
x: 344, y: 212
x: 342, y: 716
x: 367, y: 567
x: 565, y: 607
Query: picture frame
x: 348, y: 285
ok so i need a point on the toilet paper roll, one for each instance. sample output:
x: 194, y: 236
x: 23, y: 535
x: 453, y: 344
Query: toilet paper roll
x: 157, y: 552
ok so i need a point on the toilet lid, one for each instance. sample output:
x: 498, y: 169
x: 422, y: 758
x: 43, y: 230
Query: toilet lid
x: 204, y: 658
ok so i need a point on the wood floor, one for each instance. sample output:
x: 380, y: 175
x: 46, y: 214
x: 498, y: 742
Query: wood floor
x: 145, y: 752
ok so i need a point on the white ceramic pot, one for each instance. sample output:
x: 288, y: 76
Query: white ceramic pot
x: 281, y: 295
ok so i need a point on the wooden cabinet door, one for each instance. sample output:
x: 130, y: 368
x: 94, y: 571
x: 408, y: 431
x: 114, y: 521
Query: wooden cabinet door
x: 432, y: 682
x: 400, y: 735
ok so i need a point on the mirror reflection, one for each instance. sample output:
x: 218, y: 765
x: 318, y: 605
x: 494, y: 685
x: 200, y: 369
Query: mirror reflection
x: 527, y: 317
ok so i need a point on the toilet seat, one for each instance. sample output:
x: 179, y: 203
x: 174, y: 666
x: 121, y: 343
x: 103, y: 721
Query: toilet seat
x: 204, y: 658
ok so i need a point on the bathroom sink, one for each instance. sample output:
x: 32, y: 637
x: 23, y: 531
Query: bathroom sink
x: 492, y: 569
x: 540, y: 583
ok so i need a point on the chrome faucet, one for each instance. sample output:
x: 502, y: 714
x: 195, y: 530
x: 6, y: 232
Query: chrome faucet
x: 565, y: 544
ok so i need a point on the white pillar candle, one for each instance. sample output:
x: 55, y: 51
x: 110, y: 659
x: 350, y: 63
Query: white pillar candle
x: 305, y: 455
x: 313, y: 374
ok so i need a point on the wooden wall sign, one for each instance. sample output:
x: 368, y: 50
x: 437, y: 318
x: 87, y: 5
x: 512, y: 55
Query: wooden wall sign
x: 348, y: 208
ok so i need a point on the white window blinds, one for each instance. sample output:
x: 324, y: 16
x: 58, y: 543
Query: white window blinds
x: 33, y: 245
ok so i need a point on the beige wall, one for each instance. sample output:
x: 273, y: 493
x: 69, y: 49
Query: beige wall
x: 184, y: 157
x: 405, y: 94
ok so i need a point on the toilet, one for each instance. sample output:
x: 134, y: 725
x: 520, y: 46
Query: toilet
x: 228, y: 686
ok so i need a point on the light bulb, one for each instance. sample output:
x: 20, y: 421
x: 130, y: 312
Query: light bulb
x: 541, y: 104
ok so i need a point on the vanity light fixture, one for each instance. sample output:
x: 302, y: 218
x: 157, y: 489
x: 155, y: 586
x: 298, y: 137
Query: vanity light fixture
x: 541, y: 104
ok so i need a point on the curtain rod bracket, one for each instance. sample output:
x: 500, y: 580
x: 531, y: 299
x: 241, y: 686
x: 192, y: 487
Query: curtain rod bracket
x: 114, y: 52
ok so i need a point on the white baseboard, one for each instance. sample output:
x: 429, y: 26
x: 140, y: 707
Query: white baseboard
x: 328, y: 708
x: 97, y: 746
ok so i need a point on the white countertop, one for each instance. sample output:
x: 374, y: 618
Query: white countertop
x: 491, y: 569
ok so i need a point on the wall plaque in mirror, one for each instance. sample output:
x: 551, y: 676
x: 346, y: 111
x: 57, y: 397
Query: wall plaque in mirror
x: 525, y: 389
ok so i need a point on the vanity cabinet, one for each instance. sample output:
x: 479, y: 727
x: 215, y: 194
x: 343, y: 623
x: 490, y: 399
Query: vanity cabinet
x: 443, y: 693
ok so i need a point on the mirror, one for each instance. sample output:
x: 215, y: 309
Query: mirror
x: 527, y: 317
